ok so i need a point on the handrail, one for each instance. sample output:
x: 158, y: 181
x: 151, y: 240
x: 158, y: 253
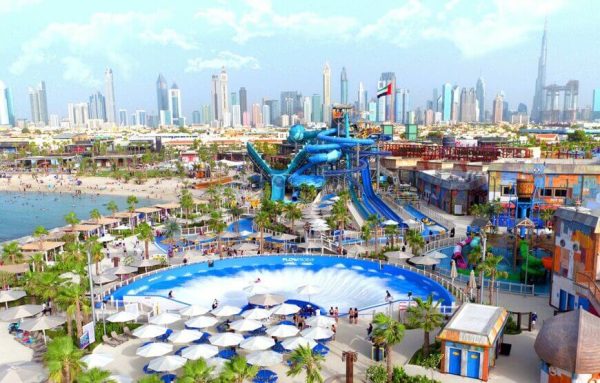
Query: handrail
x: 585, y: 280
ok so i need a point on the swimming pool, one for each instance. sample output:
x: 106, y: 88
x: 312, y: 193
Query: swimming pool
x: 344, y: 282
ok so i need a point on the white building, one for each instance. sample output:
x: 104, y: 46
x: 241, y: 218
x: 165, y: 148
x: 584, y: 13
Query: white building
x: 78, y: 113
x: 307, y: 109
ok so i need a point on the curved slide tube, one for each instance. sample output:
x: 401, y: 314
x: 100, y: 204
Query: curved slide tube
x: 457, y: 253
x: 369, y: 196
x: 531, y: 264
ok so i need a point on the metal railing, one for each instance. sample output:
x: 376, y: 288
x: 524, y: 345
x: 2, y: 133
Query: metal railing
x: 504, y: 286
x: 586, y: 281
x: 434, y: 215
x: 443, y: 242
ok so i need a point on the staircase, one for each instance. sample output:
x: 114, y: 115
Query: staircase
x: 589, y: 288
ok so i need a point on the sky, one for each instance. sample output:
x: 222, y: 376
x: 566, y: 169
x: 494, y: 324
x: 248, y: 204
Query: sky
x: 272, y: 46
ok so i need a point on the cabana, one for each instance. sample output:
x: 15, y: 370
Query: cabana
x: 166, y: 209
x: 149, y: 214
x: 105, y: 223
x: 87, y: 229
x: 127, y: 217
x: 47, y: 248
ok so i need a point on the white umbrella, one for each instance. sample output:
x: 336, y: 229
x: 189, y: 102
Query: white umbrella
x: 320, y: 228
x: 150, y: 262
x: 256, y: 314
x: 245, y: 246
x: 201, y: 322
x: 106, y: 238
x: 266, y: 299
x: 284, y: 237
x: 245, y: 233
x: 42, y: 324
x: 19, y: 312
x: 149, y: 331
x: 184, y: 336
x: 256, y: 288
x: 70, y: 277
x: 297, y: 341
x: 11, y: 295
x: 104, y: 278
x: 424, y: 261
x: 167, y: 363
x: 245, y: 325
x: 256, y: 343
x: 437, y: 255
x: 165, y: 318
x: 154, y: 349
x: 398, y: 254
x: 472, y: 283
x: 229, y: 235
x: 122, y: 316
x: 282, y: 331
x: 120, y: 379
x: 320, y: 321
x: 356, y: 249
x: 264, y: 358
x: 193, y: 311
x: 122, y: 270
x: 285, y: 309
x: 309, y: 290
x: 317, y: 333
x: 122, y: 227
x: 226, y: 339
x: 453, y: 271
x: 97, y: 360
x: 226, y: 311
x: 22, y: 372
x: 198, y: 351
x: 217, y: 363
x: 389, y: 222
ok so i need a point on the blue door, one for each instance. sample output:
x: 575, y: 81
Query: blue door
x: 455, y: 361
x: 473, y: 358
x: 562, y: 303
x: 571, y: 302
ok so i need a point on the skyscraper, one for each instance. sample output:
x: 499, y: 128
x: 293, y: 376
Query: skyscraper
x: 7, y: 114
x: 39, y: 104
x: 162, y: 94
x: 233, y: 100
x: 538, y: 97
x: 468, y: 105
x: 97, y: 107
x: 307, y: 109
x: 266, y: 115
x: 326, y: 94
x: 257, y: 120
x: 223, y: 98
x: 344, y: 86
x: 140, y: 117
x: 175, y: 105
x: 498, y: 109
x: 390, y: 101
x: 446, y: 102
x: 109, y: 92
x: 274, y: 112
x: 78, y: 113
x: 290, y: 102
x: 362, y: 97
x: 456, y: 102
x: 316, y: 109
x: 596, y: 104
x: 236, y: 116
x: 243, y: 101
x: 480, y: 91
x: 34, y: 103
x: 402, y: 106
x: 123, y: 117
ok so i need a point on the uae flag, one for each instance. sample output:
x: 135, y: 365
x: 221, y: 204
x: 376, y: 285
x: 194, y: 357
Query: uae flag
x: 385, y: 91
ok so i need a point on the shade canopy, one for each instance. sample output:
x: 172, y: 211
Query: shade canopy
x: 245, y: 325
x: 256, y: 314
x: 226, y: 311
x: 266, y: 299
x: 264, y: 358
x: 149, y: 331
x: 256, y: 288
x: 424, y: 261
x: 256, y: 343
x: 41, y: 323
x: 285, y: 309
x: 165, y: 318
x: 120, y: 379
x: 320, y: 321
x: 201, y: 322
x: 437, y: 255
x: 389, y: 222
x: 97, y: 360
x: 282, y: 331
x: 297, y: 341
x: 184, y: 336
x: 245, y: 246
x: 198, y: 351
x: 11, y: 295
x: 193, y: 311
x: 226, y: 339
x: 284, y: 237
x: 150, y: 262
x: 104, y: 278
x: 152, y: 350
x: 317, y: 333
x: 167, y: 363
x: 122, y: 270
x: 122, y: 316
x: 22, y: 372
x: 19, y: 312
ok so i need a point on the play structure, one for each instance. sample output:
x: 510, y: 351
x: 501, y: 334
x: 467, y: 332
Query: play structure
x: 457, y: 254
x: 531, y: 265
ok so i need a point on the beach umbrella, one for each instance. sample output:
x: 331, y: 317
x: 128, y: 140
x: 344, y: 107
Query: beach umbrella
x: 165, y: 318
x: 229, y: 235
x: 284, y: 237
x: 97, y: 360
x: 320, y: 228
x: 154, y: 349
x: 23, y: 372
x: 264, y: 358
x: 167, y: 363
x: 226, y: 311
x: 121, y: 317
x: 256, y: 343
x: 245, y: 325
x: 453, y: 271
x: 389, y: 222
x: 104, y: 278
x: 398, y: 254
x: 282, y: 331
x: 309, y: 290
x: 310, y: 245
x: 149, y: 331
x: 120, y: 379
x: 317, y: 333
x: 11, y: 295
x: 201, y: 322
x: 150, y: 262
x: 297, y: 341
x: 122, y: 227
x: 256, y: 288
x: 266, y: 299
x: 122, y: 270
x: 256, y: 314
x: 193, y: 311
x: 437, y: 255
x: 424, y: 261
x: 19, y: 312
x: 472, y: 283
x: 198, y: 351
x: 70, y: 277
x: 226, y: 339
x: 320, y: 321
x: 42, y: 324
x: 245, y: 246
x: 184, y: 336
x: 285, y: 309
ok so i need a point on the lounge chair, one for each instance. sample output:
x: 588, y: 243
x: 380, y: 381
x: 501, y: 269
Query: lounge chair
x: 127, y: 332
x: 110, y: 342
x: 118, y: 338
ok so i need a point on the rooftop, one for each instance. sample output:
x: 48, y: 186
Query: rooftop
x: 475, y: 324
x: 547, y: 166
x: 583, y: 216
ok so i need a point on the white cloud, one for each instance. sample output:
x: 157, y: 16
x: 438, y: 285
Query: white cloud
x: 224, y: 58
x: 168, y: 36
x: 77, y: 71
x: 8, y: 6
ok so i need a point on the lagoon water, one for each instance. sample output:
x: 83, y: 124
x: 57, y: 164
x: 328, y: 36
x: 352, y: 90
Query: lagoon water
x: 21, y: 213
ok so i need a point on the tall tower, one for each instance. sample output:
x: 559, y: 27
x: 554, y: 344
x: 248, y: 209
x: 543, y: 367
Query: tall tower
x: 446, y: 102
x: 223, y: 98
x: 480, y: 93
x: 243, y: 100
x: 175, y: 104
x: 344, y: 87
x: 109, y: 93
x: 362, y: 97
x: 390, y: 101
x: 162, y: 94
x: 538, y: 97
x: 326, y: 93
x: 214, y: 97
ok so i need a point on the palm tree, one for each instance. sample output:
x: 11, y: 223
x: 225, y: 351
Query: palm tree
x: 391, y: 231
x: 236, y: 211
x: 95, y: 375
x: 72, y: 297
x: 374, y: 221
x: 366, y: 234
x: 112, y: 207
x: 229, y: 194
x: 131, y: 202
x: 39, y: 233
x: 71, y: 219
x: 11, y: 253
x: 218, y: 226
x: 415, y: 241
x: 387, y: 332
x: 425, y: 315
x: 292, y: 212
x: 154, y: 378
x: 196, y: 371
x: 237, y: 370
x: 546, y: 216
x: 474, y: 255
x: 37, y: 261
x: 304, y: 359
x: 95, y: 215
x: 95, y: 248
x: 261, y: 220
x: 490, y: 268
x: 145, y: 233
x: 186, y: 201
x: 172, y: 229
x: 63, y: 360
x: 341, y: 215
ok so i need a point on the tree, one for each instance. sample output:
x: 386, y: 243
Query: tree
x: 304, y: 359
x: 237, y: 370
x: 153, y: 378
x: 132, y: 201
x: 39, y: 233
x: 236, y: 212
x: 95, y: 215
x: 387, y: 332
x: 63, y: 360
x: 218, y: 226
x: 71, y: 219
x: 415, y: 240
x: 577, y: 136
x: 546, y: 216
x: 374, y: 221
x: 112, y: 207
x: 186, y: 201
x: 95, y: 248
x: 95, y: 375
x: 366, y: 234
x: 262, y: 220
x: 474, y: 255
x: 37, y: 261
x: 145, y: 233
x: 171, y: 230
x: 11, y: 253
x: 71, y: 296
x: 196, y: 371
x: 341, y: 215
x: 425, y: 315
x: 490, y: 268
x: 292, y: 212
x: 229, y: 195
x: 391, y: 231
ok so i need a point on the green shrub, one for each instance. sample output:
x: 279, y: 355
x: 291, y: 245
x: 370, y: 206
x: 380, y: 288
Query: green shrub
x: 511, y: 327
x: 418, y: 358
x: 376, y: 374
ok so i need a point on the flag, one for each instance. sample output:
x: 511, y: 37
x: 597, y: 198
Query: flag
x: 385, y: 91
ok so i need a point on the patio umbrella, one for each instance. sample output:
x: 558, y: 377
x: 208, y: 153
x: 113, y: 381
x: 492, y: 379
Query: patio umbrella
x: 245, y: 233
x: 297, y: 341
x: 106, y: 238
x: 453, y: 271
x: 22, y: 372
x: 229, y: 235
x: 320, y: 228
x: 121, y: 317
x: 154, y: 349
x: 256, y: 288
x: 285, y: 309
x: 472, y: 283
x: 184, y: 336
x: 193, y: 311
x: 104, y: 278
x: 245, y: 325
x: 97, y: 360
x: 424, y: 261
x: 165, y: 318
x: 198, y: 351
x: 264, y: 358
x: 389, y: 222
x: 149, y: 331
x: 245, y: 246
x: 122, y: 227
x: 145, y: 263
x: 226, y: 339
x: 284, y: 237
x: 256, y: 343
x: 217, y: 363
x: 320, y: 321
x: 42, y: 324
x: 226, y: 311
x: 122, y: 270
x: 70, y: 277
x: 317, y: 333
x: 256, y: 314
x: 201, y: 322
x: 398, y: 254
x: 282, y: 331
x: 309, y: 290
x: 266, y: 299
x: 11, y: 295
x: 437, y: 255
x: 167, y: 363
x: 19, y: 312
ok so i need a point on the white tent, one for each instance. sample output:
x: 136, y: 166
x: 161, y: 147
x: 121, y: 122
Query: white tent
x: 256, y: 343
x: 165, y: 318
x: 149, y: 331
x: 317, y: 333
x: 297, y: 341
x: 256, y: 314
x: 184, y: 336
x: 282, y: 331
x: 122, y: 316
x: 285, y: 309
x: 152, y: 350
x: 97, y: 360
x: 245, y: 325
x: 198, y: 351
x: 226, y: 311
x: 266, y: 299
x: 193, y: 311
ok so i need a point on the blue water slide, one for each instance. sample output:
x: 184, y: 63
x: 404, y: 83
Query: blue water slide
x: 359, y: 206
x: 332, y: 155
x: 369, y: 194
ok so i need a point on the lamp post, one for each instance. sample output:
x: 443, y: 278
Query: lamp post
x: 349, y: 357
x: 89, y: 266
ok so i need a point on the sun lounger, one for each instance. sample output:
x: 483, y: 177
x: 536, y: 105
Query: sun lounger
x: 119, y: 338
x: 109, y: 341
x: 127, y: 332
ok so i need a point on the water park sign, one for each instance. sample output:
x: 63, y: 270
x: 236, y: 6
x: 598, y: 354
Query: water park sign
x: 300, y: 260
